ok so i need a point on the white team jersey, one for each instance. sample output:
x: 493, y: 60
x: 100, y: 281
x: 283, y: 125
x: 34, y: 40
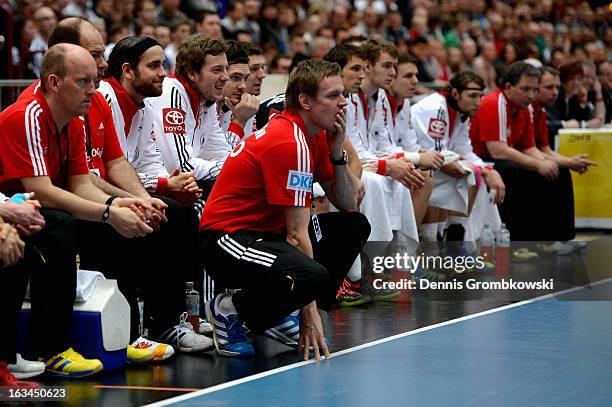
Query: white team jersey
x: 357, y: 127
x: 432, y: 124
x: 139, y: 147
x: 225, y: 120
x: 403, y: 133
x: 381, y: 123
x: 190, y: 137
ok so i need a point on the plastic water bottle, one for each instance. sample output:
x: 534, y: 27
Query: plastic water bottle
x: 487, y: 244
x: 192, y: 302
x: 141, y: 328
x: 502, y: 252
x: 21, y: 197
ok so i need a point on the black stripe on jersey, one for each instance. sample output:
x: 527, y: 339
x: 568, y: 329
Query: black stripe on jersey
x: 108, y: 100
x: 179, y: 139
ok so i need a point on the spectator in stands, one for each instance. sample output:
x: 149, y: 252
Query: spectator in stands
x: 168, y: 13
x: 268, y: 253
x: 483, y: 65
x: 419, y: 47
x: 57, y: 6
x: 396, y: 31
x: 105, y: 10
x: 320, y: 47
x: 469, y: 50
x: 234, y: 20
x: 146, y: 30
x: 237, y: 105
x: 45, y: 22
x: 57, y: 162
x: 22, y: 59
x: 146, y: 13
x: 116, y: 33
x: 502, y: 132
x: 604, y: 72
x: 281, y: 64
x: 568, y: 112
x: 209, y: 25
x: 370, y: 22
x: 81, y: 9
x: 592, y: 94
x: 297, y: 44
x: 251, y: 13
x: 179, y: 32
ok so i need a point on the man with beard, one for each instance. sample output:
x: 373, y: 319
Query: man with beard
x: 134, y: 119
x: 441, y: 123
x: 134, y: 74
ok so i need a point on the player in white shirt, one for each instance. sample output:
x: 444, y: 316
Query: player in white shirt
x: 190, y: 137
x: 442, y: 122
x: 237, y: 104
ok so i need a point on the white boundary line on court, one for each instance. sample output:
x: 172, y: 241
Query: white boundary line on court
x: 257, y: 376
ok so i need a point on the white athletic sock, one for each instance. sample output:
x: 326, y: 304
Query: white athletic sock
x: 226, y: 306
x: 429, y: 231
x: 354, y: 273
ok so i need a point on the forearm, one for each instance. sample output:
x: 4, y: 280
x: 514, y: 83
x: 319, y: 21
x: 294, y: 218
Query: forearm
x: 53, y: 197
x: 109, y: 188
x: 301, y: 241
x: 556, y: 157
x: 354, y: 162
x: 124, y: 176
x: 342, y: 191
x: 511, y: 154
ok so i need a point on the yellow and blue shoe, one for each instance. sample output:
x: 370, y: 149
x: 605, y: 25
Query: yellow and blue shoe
x: 70, y: 364
x: 159, y: 351
x: 136, y: 356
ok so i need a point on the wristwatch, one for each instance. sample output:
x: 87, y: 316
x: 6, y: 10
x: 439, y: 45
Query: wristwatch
x: 341, y: 161
x: 106, y: 214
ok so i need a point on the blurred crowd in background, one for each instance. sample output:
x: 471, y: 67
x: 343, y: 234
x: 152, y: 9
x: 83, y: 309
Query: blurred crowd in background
x: 447, y: 36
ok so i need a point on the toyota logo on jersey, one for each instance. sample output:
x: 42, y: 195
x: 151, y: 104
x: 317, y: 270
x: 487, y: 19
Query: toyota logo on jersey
x: 437, y: 128
x: 174, y: 120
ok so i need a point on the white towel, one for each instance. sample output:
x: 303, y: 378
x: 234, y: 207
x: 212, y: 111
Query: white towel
x: 86, y: 283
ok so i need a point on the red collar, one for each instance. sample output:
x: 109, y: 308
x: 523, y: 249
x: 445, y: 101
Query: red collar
x: 394, y: 104
x: 194, y: 96
x: 126, y: 104
x: 452, y: 113
x: 364, y: 103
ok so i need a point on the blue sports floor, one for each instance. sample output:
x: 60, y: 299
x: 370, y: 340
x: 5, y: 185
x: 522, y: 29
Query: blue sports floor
x: 549, y: 351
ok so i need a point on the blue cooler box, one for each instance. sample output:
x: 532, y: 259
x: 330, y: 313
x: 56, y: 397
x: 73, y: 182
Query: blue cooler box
x: 100, y: 326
